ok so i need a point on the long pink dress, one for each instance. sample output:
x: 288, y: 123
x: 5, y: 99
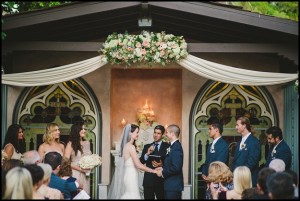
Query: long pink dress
x: 81, y: 177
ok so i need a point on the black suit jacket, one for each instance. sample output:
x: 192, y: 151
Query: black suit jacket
x: 151, y: 179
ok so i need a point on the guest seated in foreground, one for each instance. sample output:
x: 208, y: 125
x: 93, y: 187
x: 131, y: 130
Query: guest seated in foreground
x: 54, y: 159
x: 37, y: 175
x: 18, y: 184
x: 65, y: 173
x: 219, y: 172
x: 262, y: 183
x: 280, y: 186
x: 241, y: 181
x: 31, y: 157
x: 45, y: 190
x: 277, y: 164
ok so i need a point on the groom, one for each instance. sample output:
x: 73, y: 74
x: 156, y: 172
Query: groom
x: 172, y: 166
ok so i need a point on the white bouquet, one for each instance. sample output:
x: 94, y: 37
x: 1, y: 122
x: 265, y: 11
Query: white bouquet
x: 90, y: 161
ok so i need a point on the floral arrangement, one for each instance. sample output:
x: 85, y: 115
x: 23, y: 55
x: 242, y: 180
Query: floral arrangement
x: 90, y: 161
x: 151, y: 48
x: 243, y: 146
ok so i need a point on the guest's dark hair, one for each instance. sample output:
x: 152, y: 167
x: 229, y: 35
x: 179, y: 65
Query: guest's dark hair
x: 275, y: 131
x: 37, y: 173
x: 161, y: 128
x: 75, y: 137
x: 263, y: 176
x: 280, y: 185
x: 10, y: 164
x: 53, y: 158
x: 249, y: 193
x: 294, y: 175
x: 12, y: 137
x: 215, y: 123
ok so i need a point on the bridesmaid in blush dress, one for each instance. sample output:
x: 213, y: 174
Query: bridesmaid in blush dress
x: 76, y: 148
x: 51, y: 141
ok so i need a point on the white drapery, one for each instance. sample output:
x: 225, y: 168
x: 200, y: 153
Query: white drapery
x: 204, y: 68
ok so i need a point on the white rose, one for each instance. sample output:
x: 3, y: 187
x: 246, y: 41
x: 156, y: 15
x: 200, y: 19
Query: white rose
x: 138, y: 52
x: 113, y: 43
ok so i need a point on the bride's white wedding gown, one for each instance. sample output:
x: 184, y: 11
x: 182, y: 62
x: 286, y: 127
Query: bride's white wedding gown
x: 131, y: 183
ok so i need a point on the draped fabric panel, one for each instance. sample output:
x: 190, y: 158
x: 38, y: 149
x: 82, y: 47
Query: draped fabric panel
x: 54, y: 75
x: 231, y: 75
x: 204, y: 68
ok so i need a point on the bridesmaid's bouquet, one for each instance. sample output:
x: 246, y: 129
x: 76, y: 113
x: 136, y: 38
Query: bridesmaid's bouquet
x: 90, y: 162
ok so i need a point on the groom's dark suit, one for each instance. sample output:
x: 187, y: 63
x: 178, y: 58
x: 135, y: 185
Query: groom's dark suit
x: 172, y: 172
x: 248, y: 156
x: 152, y: 183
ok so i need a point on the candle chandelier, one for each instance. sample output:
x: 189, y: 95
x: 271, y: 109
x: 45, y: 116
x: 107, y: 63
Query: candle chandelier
x: 145, y: 115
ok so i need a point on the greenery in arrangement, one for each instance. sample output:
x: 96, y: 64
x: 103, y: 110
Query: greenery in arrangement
x: 296, y: 85
x: 150, y: 48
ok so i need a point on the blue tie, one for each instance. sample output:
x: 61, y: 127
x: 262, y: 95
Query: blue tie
x: 156, y: 148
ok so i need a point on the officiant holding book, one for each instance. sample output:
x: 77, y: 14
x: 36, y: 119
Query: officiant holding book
x: 153, y: 155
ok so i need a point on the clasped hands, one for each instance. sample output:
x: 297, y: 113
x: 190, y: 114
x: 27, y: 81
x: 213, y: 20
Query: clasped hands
x: 159, y: 171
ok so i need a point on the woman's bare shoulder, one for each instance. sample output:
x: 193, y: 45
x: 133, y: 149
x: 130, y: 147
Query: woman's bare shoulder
x: 9, y: 147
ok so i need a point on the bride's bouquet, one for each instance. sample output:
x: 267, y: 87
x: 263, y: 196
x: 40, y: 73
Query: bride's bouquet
x: 90, y: 162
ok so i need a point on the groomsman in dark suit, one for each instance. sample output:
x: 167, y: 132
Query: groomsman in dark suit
x: 172, y: 166
x: 218, y: 149
x: 278, y: 147
x: 247, y: 152
x: 153, y: 184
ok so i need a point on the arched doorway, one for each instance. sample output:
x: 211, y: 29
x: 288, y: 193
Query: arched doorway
x: 63, y: 103
x: 227, y: 102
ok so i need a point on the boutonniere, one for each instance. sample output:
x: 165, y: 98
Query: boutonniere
x: 243, y: 146
x: 273, y: 152
x: 168, y: 150
x: 212, y: 150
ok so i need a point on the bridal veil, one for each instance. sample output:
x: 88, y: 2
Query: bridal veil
x: 116, y: 189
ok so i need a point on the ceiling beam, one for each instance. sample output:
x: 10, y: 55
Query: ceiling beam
x: 62, y: 13
x: 281, y: 49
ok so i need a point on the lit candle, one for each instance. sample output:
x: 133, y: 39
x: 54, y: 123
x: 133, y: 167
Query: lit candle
x: 123, y: 122
x: 152, y: 113
x: 146, y: 105
x: 166, y: 126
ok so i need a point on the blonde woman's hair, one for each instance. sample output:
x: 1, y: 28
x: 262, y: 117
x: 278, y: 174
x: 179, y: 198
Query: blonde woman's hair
x: 241, y: 179
x: 48, y: 138
x: 219, y: 172
x: 18, y: 184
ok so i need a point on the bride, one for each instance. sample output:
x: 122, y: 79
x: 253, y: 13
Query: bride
x: 124, y: 184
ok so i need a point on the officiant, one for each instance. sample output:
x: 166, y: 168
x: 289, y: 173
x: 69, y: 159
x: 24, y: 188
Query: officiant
x: 153, y: 155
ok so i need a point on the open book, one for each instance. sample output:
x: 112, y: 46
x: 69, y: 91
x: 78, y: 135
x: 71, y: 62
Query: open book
x: 155, y: 157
